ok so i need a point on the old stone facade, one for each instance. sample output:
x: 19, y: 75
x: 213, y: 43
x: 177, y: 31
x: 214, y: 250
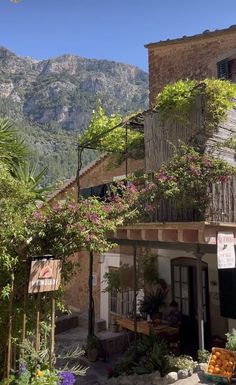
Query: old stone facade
x: 194, y: 57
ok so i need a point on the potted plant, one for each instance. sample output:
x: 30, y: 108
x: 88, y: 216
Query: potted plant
x: 92, y: 348
x: 114, y: 325
x: 152, y: 302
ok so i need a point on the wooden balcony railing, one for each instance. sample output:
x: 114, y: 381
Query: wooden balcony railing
x: 221, y: 208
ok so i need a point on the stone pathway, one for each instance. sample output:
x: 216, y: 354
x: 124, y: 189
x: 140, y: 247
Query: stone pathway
x: 70, y: 340
x: 97, y: 371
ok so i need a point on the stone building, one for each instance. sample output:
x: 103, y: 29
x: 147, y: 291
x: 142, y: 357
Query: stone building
x: 97, y: 173
x: 185, y: 248
x: 207, y: 55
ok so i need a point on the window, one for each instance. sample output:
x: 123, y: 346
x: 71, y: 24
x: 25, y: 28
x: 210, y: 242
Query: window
x: 223, y: 70
x: 122, y: 303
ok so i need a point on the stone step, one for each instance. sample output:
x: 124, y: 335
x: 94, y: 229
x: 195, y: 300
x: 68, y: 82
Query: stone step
x: 66, y: 322
x: 100, y: 324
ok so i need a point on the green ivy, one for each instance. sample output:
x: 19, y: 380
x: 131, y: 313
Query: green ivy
x: 177, y: 99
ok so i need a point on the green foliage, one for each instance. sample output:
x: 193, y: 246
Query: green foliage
x: 93, y: 342
x: 120, y: 279
x: 60, y: 230
x: 152, y: 301
x: 185, y: 178
x: 203, y: 356
x: 177, y: 99
x: 101, y: 135
x: 229, y: 143
x: 12, y: 150
x: 150, y: 271
x: 231, y: 340
x: 152, y: 355
x: 181, y: 363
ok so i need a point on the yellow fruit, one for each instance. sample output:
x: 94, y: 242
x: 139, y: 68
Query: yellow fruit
x: 39, y: 373
x: 219, y: 362
x: 214, y: 357
x: 217, y: 354
x: 210, y: 370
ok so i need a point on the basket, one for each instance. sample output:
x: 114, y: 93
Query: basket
x: 221, y: 378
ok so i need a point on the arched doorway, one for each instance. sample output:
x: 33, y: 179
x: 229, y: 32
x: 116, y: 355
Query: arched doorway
x: 184, y: 292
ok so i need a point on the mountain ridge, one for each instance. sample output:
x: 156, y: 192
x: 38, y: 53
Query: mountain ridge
x: 54, y: 98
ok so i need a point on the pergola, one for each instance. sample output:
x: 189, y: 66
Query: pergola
x: 200, y: 238
x: 134, y: 122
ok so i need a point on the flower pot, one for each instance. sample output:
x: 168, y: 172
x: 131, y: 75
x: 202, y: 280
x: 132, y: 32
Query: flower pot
x: 92, y: 354
x: 114, y: 328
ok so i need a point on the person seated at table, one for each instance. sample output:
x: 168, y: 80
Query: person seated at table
x: 174, y: 316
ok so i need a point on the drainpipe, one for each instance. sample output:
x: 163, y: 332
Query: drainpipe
x: 199, y: 256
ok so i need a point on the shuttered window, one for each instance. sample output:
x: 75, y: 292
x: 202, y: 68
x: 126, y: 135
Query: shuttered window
x: 223, y: 69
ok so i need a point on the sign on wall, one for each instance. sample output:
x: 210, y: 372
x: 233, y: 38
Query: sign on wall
x: 45, y: 275
x: 225, y: 250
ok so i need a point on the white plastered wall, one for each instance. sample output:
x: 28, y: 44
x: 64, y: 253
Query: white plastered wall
x: 108, y: 260
x: 219, y: 325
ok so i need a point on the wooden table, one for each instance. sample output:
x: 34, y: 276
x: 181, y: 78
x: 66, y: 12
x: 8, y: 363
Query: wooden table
x: 143, y: 327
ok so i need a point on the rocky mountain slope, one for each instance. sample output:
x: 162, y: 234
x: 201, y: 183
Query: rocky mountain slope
x: 53, y: 99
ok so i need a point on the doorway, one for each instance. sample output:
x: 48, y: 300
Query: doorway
x: 184, y: 292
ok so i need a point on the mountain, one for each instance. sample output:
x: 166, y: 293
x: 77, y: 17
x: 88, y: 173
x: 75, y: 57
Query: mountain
x: 52, y: 101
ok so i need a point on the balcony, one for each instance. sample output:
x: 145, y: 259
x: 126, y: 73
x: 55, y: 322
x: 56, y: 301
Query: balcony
x: 222, y: 207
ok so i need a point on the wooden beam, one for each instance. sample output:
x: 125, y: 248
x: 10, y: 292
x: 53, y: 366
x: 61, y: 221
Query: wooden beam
x: 204, y: 248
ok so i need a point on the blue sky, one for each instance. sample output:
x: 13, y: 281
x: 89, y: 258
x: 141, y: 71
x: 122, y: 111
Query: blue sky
x: 105, y: 29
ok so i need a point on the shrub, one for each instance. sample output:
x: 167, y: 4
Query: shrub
x: 203, y: 356
x: 231, y: 340
x: 181, y: 363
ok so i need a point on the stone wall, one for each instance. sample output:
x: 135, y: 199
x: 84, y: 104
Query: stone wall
x: 76, y: 292
x: 193, y: 58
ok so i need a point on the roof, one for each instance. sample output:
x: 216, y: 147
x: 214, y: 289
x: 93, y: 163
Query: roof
x: 83, y: 172
x: 203, y: 35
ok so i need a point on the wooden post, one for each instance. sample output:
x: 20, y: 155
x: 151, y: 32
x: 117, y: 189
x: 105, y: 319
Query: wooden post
x: 135, y: 301
x: 79, y: 166
x: 126, y: 152
x: 52, y: 336
x: 24, y: 319
x: 10, y: 322
x: 91, y: 305
x: 199, y: 301
x: 37, y: 334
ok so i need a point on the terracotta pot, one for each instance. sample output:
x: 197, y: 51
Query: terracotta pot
x: 93, y: 354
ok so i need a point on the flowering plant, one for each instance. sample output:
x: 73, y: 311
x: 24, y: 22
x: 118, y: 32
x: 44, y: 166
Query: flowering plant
x: 185, y: 179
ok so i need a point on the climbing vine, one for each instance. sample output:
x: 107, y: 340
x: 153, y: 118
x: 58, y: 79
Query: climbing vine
x: 102, y: 135
x: 177, y: 99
